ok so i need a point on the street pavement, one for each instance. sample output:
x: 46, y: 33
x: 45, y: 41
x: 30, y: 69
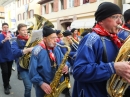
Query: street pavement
x: 18, y: 87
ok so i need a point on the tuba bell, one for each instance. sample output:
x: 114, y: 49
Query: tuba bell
x: 116, y: 85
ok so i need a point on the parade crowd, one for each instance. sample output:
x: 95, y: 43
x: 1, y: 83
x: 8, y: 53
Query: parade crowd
x: 91, y: 60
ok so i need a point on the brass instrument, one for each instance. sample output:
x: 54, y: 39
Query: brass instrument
x: 24, y: 60
x: 116, y: 85
x: 56, y: 86
x: 123, y: 28
x: 74, y: 43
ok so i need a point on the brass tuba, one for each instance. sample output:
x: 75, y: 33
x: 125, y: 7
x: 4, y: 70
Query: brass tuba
x: 56, y: 86
x: 116, y: 85
x: 39, y: 23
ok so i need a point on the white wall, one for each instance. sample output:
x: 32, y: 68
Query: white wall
x: 10, y: 14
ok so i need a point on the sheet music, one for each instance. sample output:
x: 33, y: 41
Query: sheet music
x: 36, y: 35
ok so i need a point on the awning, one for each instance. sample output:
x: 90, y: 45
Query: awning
x: 88, y: 23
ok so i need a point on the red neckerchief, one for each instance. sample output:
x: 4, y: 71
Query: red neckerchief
x: 75, y: 37
x: 124, y: 26
x: 51, y: 55
x: 23, y: 37
x: 58, y: 40
x: 5, y: 33
x: 101, y: 31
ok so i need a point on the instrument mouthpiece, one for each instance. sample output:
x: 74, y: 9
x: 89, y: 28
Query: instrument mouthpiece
x: 118, y: 26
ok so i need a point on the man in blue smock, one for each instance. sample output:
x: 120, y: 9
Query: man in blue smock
x: 6, y: 57
x: 96, y: 54
x: 18, y: 49
x: 124, y: 34
x: 45, y: 59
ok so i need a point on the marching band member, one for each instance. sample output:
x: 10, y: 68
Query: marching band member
x: 45, y: 59
x: 59, y: 35
x: 18, y: 51
x: 6, y: 57
x: 91, y: 69
x: 67, y: 41
x: 124, y: 34
x: 75, y: 34
x: 85, y: 33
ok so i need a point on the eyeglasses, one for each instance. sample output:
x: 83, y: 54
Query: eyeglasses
x: 53, y: 38
x: 117, y: 17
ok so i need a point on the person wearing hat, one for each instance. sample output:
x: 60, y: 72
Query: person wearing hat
x: 124, y: 34
x: 94, y: 63
x: 66, y: 40
x: 44, y: 62
x: 85, y: 33
x: 59, y: 35
x: 18, y: 51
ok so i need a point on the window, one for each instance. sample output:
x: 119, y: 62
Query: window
x: 2, y: 14
x: 28, y: 15
x: 52, y: 7
x: 31, y: 13
x: 2, y: 21
x: 25, y: 1
x: 24, y: 16
x: 71, y: 3
x: 62, y: 4
x: 19, y: 17
x: 17, y: 3
x: 43, y: 9
x: 85, y: 1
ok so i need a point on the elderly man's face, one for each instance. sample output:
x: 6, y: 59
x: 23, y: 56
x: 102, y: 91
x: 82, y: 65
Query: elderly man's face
x: 51, y: 40
x: 110, y: 23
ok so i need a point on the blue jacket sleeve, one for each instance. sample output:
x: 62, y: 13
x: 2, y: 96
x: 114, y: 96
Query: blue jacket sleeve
x: 72, y: 54
x: 17, y: 52
x: 88, y: 65
x: 1, y: 38
x: 123, y: 34
x: 33, y: 73
x: 64, y: 50
x: 62, y: 55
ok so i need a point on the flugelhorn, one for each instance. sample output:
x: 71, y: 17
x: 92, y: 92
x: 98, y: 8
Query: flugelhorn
x: 123, y: 28
x: 116, y: 85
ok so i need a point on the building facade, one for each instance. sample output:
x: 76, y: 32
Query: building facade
x: 26, y: 10
x: 10, y: 14
x: 2, y: 16
x: 63, y: 12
